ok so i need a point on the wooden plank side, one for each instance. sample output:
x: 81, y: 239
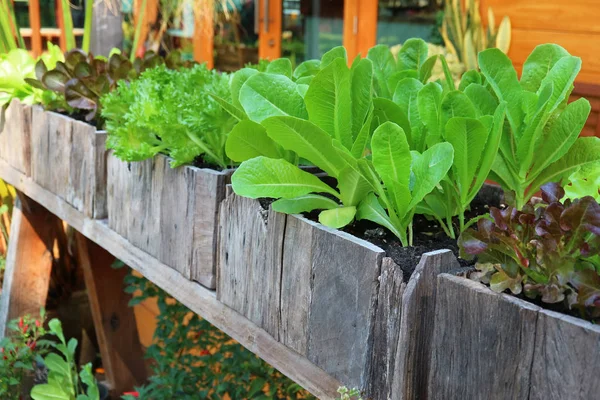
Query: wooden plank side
x: 208, y: 191
x: 386, y: 331
x: 107, y: 30
x: 483, y: 343
x: 565, y: 361
x: 114, y: 320
x: 15, y: 146
x: 249, y: 263
x: 584, y: 45
x: 80, y: 178
x: 342, y: 304
x: 579, y: 16
x: 413, y: 352
x: 98, y: 206
x: 199, y: 299
x: 28, y: 262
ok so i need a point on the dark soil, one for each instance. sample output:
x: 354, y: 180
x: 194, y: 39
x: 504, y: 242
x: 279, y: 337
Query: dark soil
x: 79, y: 115
x: 200, y: 163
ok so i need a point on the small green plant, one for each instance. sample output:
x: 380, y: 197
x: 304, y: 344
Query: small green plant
x: 194, y: 360
x: 18, y: 353
x: 171, y: 112
x: 547, y: 250
x: 349, y: 394
x: 64, y: 382
x: 584, y: 182
x: 540, y: 142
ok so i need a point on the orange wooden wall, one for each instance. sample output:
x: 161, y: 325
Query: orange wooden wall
x: 573, y: 24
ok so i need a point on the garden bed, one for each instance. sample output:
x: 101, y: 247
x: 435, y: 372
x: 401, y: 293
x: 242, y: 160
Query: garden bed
x: 15, y: 133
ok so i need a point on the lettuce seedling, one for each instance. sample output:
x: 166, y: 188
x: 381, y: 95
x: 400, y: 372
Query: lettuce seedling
x: 548, y: 250
x: 169, y: 111
x: 540, y: 141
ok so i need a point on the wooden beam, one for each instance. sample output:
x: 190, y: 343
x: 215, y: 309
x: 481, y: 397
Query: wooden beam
x: 360, y: 27
x: 204, y: 32
x: 197, y: 298
x: 107, y: 28
x: 114, y: 320
x: 36, y: 26
x: 269, y: 33
x: 60, y: 22
x: 28, y: 262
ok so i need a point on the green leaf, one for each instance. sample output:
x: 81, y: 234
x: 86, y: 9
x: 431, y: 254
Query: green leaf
x: 267, y: 95
x: 56, y: 328
x: 468, y: 78
x: 386, y: 110
x: 371, y: 210
x: 364, y: 137
x: 302, y: 204
x: 48, y: 392
x: 391, y: 154
x: 482, y: 99
x: 281, y: 66
x: 353, y: 186
x: 428, y: 169
x: 307, y: 68
x: 427, y: 68
x: 412, y: 54
x: 384, y: 66
x: 448, y: 75
x: 405, y: 96
x: 249, y: 139
x: 502, y: 77
x: 338, y: 52
x: 56, y: 363
x: 538, y: 65
x: 237, y: 81
x: 399, y: 76
x: 235, y: 112
x: 585, y: 151
x: 337, y: 217
x: 468, y: 137
x: 561, y: 77
x: 429, y: 101
x: 361, y: 89
x: 328, y: 101
x: 307, y: 140
x: 457, y: 104
x: 267, y: 177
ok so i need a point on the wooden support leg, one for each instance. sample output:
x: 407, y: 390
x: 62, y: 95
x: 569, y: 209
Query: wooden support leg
x: 114, y: 320
x: 28, y: 262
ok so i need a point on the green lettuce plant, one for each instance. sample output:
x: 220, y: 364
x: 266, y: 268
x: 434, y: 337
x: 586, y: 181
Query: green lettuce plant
x: 547, y: 250
x: 331, y: 125
x: 169, y: 111
x: 540, y: 142
x: 584, y: 182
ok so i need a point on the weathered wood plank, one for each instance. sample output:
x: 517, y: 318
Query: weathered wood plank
x: 566, y: 360
x: 107, y: 30
x: 199, y: 299
x: 413, y: 352
x: 172, y: 212
x: 28, y: 262
x: 483, y: 343
x: 67, y: 158
x: 386, y: 330
x: 15, y: 130
x: 249, y: 263
x: 114, y: 320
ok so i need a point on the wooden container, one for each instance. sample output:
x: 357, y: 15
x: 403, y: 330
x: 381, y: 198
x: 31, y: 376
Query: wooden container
x: 328, y: 295
x: 15, y: 132
x: 170, y: 213
x: 68, y: 158
x: 490, y: 345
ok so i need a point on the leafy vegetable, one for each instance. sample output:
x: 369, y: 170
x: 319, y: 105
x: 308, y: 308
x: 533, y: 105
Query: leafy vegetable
x: 82, y: 79
x: 548, y: 250
x: 540, y: 142
x: 171, y: 112
x: 584, y: 182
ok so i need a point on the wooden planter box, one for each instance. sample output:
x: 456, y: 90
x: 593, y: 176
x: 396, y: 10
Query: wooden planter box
x: 68, y: 158
x: 328, y: 295
x: 170, y: 213
x: 489, y: 345
x: 15, y: 132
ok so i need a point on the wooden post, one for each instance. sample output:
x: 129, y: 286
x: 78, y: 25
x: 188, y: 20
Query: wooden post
x: 360, y: 27
x: 60, y: 22
x: 36, y: 27
x: 114, y: 320
x: 28, y: 262
x: 107, y: 30
x: 204, y: 33
x: 269, y: 34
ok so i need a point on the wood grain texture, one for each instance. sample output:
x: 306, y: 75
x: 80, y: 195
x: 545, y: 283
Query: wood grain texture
x: 15, y: 131
x: 68, y: 158
x: 386, y: 330
x: 199, y: 299
x: 249, y: 266
x: 413, y: 353
x: 483, y: 343
x: 114, y: 320
x: 171, y: 213
x: 565, y: 361
x: 107, y: 30
x: 312, y: 288
x: 28, y: 262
